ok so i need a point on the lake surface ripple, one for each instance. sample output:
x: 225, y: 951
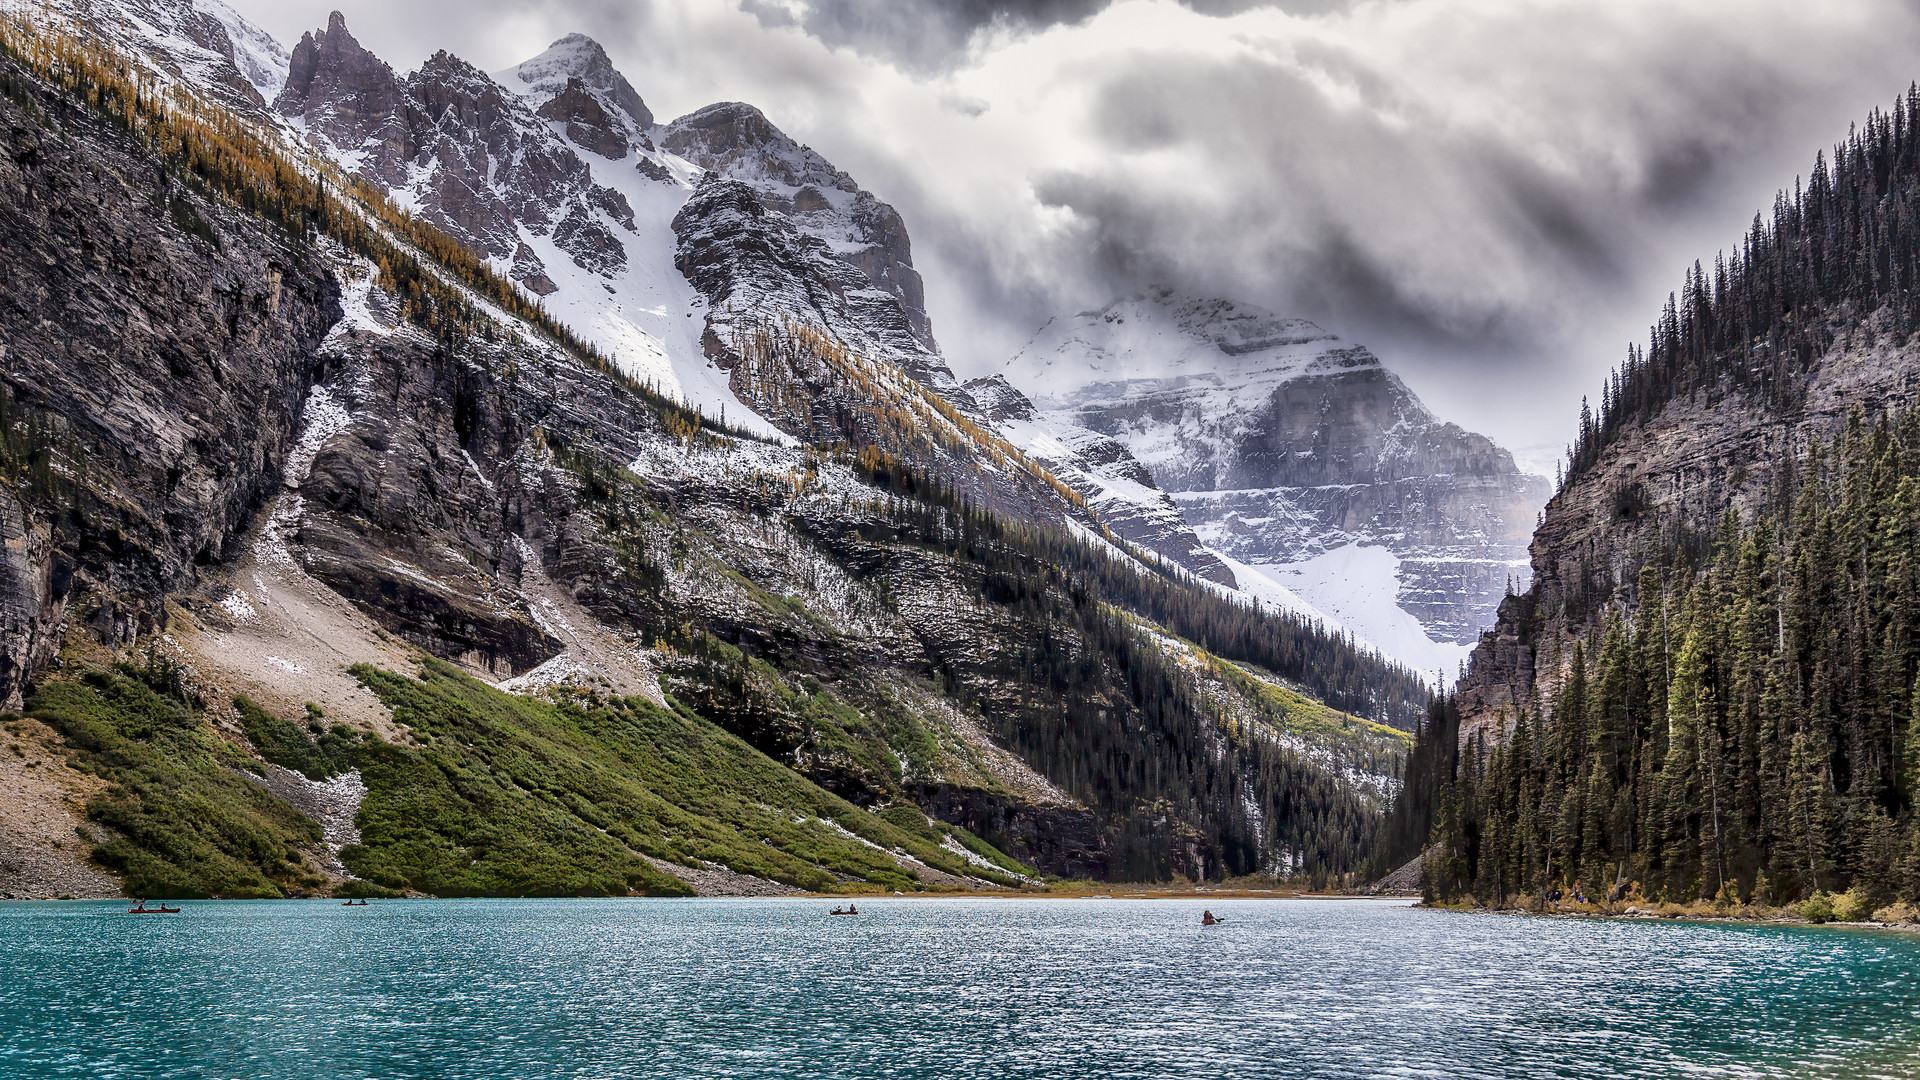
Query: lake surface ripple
x: 937, y: 988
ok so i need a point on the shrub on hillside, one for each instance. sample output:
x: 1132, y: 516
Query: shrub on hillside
x: 1818, y: 908
x: 1854, y: 905
x: 1898, y: 912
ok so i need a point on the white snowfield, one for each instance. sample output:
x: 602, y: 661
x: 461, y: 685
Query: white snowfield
x: 261, y: 59
x: 646, y: 317
x: 1358, y: 589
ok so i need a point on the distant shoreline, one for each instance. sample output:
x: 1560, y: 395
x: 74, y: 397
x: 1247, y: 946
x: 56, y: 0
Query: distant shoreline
x: 1136, y: 893
x: 1637, y: 914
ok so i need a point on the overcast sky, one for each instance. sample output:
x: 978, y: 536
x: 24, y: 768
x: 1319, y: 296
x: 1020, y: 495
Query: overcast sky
x: 1494, y: 196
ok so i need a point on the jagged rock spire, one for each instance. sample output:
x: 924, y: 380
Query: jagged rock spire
x: 339, y: 89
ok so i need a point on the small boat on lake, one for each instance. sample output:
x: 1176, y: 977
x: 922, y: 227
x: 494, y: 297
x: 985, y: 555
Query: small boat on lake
x: 851, y: 910
x: 354, y: 903
x: 140, y: 908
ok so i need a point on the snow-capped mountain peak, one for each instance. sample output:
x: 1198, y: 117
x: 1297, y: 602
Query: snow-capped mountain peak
x: 255, y: 53
x: 1164, y: 339
x: 579, y: 57
x: 202, y: 43
x: 1297, y: 458
x: 737, y: 141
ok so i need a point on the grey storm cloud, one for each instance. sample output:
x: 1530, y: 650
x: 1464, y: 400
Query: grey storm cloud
x: 1495, y: 196
x: 919, y: 33
x: 1503, y: 246
x: 928, y: 34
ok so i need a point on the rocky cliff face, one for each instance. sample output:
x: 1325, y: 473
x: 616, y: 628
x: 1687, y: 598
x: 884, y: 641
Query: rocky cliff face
x: 673, y: 247
x: 204, y: 44
x: 1105, y: 473
x: 1699, y: 456
x: 823, y: 356
x: 155, y: 349
x: 472, y: 158
x: 557, y: 171
x: 737, y: 141
x: 1301, y: 457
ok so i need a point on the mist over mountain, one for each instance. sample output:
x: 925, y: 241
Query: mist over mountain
x: 1302, y: 461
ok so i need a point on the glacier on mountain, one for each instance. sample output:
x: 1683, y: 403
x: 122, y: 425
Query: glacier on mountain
x: 1300, y: 461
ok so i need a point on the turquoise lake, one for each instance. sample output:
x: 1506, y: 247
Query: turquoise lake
x: 937, y: 988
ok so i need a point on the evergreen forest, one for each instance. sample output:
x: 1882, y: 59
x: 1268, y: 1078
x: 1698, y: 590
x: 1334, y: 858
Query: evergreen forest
x: 1740, y: 723
x: 1837, y: 263
x: 1748, y: 732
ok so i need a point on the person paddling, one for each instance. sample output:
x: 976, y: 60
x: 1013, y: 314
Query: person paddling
x: 1207, y: 919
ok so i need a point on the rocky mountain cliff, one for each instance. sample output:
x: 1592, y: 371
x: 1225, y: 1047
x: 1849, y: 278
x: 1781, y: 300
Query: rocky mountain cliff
x: 1661, y: 485
x: 1301, y: 460
x: 712, y: 257
x: 259, y: 459
x: 557, y: 171
x: 1106, y: 474
x: 204, y: 45
x: 1746, y: 370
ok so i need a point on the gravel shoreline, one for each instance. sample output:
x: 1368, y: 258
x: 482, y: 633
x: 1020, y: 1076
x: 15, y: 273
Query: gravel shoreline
x: 1638, y: 914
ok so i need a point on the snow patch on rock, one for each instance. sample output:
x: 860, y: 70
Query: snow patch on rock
x: 1358, y: 587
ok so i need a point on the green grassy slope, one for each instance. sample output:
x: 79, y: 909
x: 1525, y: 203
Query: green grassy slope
x: 498, y: 796
x: 1365, y: 744
x: 188, y: 823
x: 509, y: 795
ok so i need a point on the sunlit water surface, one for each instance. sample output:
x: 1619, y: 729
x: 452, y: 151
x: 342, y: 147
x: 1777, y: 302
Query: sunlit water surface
x: 937, y: 988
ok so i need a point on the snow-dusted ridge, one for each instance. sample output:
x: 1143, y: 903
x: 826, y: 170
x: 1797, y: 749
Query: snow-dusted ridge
x: 1302, y: 464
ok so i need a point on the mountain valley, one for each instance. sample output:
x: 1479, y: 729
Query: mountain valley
x: 514, y: 562
x: 754, y: 512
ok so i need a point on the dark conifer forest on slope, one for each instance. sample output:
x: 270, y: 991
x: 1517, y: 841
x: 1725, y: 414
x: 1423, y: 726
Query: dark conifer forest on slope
x: 1749, y: 728
x: 1839, y: 260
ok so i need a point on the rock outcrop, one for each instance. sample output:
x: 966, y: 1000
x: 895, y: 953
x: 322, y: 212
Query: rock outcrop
x: 737, y: 141
x: 204, y: 44
x: 1105, y: 473
x: 344, y: 94
x: 155, y: 349
x: 473, y: 158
